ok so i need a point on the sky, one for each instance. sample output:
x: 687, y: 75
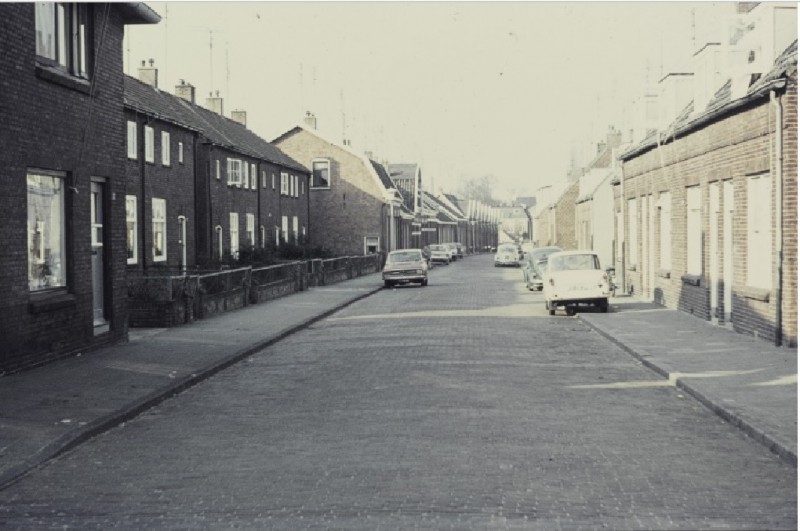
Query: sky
x: 466, y: 89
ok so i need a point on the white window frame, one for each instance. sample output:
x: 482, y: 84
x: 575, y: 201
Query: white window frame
x: 273, y: 181
x: 296, y: 229
x: 180, y: 152
x: 133, y: 131
x: 132, y: 228
x: 62, y: 36
x: 234, y: 233
x: 253, y: 177
x: 165, y: 149
x: 694, y: 230
x: 314, y: 184
x: 47, y: 230
x: 633, y: 232
x: 264, y: 179
x: 234, y: 172
x: 220, y: 246
x: 245, y: 175
x: 219, y: 172
x: 285, y: 228
x: 159, y: 220
x: 277, y: 236
x: 297, y: 186
x: 263, y: 234
x: 149, y: 144
x: 665, y: 228
x: 284, y: 183
x: 251, y: 229
x: 759, y: 232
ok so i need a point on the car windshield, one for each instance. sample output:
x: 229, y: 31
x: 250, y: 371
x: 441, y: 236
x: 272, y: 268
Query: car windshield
x: 573, y: 262
x: 437, y: 248
x: 507, y: 249
x: 404, y: 256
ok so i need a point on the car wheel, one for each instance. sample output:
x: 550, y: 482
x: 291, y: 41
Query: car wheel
x: 387, y: 283
x: 604, y: 307
x: 424, y: 282
x: 570, y: 310
x: 551, y: 311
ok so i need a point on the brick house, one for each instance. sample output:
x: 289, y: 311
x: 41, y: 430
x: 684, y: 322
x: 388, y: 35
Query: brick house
x: 62, y: 263
x: 355, y: 208
x: 555, y: 221
x: 221, y: 189
x: 462, y: 231
x: 407, y: 178
x: 710, y: 205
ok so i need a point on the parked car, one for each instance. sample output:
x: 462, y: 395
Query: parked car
x: 507, y: 255
x: 440, y: 253
x: 404, y: 266
x: 453, y: 250
x: 533, y: 265
x: 574, y: 278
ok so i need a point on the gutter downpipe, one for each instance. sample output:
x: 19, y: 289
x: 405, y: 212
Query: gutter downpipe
x: 776, y: 104
x: 623, y: 206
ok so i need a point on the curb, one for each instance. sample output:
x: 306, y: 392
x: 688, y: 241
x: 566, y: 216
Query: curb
x: 783, y: 451
x: 72, y: 439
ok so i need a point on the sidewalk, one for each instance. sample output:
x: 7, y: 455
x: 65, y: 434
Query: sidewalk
x: 51, y: 409
x: 746, y: 381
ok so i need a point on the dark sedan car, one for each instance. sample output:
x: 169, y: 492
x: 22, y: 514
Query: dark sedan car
x: 532, y: 269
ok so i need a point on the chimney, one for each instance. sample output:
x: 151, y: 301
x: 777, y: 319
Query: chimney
x: 239, y: 116
x: 601, y: 146
x: 214, y: 103
x: 149, y: 75
x: 310, y: 120
x: 614, y: 138
x: 185, y: 91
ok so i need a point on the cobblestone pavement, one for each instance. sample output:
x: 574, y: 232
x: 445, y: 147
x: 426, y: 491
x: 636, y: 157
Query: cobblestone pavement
x: 456, y: 406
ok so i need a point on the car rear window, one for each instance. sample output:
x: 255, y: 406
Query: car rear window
x: 573, y: 262
x: 410, y: 256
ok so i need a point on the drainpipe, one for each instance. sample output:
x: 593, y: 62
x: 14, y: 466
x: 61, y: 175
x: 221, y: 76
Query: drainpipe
x: 143, y: 203
x: 623, y: 206
x: 776, y: 104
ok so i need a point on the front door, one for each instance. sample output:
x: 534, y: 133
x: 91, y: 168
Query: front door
x: 713, y: 236
x: 98, y: 261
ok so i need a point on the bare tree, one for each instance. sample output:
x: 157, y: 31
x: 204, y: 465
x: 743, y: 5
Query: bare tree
x: 480, y: 188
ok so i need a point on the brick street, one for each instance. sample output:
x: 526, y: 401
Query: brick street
x: 459, y: 405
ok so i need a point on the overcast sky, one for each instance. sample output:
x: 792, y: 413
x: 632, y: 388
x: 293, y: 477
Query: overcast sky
x: 466, y: 89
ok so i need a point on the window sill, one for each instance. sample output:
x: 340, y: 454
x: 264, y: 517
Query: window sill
x: 50, y: 301
x: 60, y: 77
x: 691, y: 280
x: 320, y: 188
x: 664, y: 273
x: 757, y: 294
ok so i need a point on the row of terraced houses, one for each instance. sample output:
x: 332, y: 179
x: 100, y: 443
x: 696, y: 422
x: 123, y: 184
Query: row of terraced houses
x: 695, y: 206
x: 107, y: 176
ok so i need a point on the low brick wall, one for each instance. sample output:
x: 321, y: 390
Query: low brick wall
x: 162, y: 301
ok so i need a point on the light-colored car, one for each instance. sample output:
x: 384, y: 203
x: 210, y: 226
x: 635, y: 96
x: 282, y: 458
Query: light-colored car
x: 574, y: 278
x: 440, y: 253
x: 507, y: 255
x: 453, y: 250
x: 532, y: 268
x: 404, y: 266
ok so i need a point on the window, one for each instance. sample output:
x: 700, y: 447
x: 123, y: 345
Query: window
x: 277, y: 236
x: 63, y: 36
x: 284, y: 183
x: 263, y: 179
x: 320, y: 176
x: 295, y: 229
x: 665, y: 202
x: 132, y: 132
x: 132, y: 235
x: 149, y: 147
x: 218, y: 230
x: 273, y: 181
x: 263, y: 233
x: 302, y: 187
x: 47, y: 247
x: 159, y: 230
x: 633, y: 233
x: 180, y: 152
x: 251, y: 229
x: 218, y: 171
x: 234, y: 220
x: 296, y: 186
x: 165, y: 149
x: 246, y: 175
x: 694, y: 232
x: 759, y: 232
x: 254, y: 177
x: 235, y: 172
x: 285, y: 228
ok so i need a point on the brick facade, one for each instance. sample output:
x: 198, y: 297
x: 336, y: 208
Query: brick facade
x: 723, y: 154
x: 54, y: 121
x: 353, y: 207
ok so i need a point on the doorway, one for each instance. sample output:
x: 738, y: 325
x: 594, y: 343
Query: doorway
x: 97, y: 205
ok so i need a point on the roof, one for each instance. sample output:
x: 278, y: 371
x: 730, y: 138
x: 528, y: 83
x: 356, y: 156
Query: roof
x: 721, y: 104
x: 137, y: 13
x: 383, y: 175
x: 218, y: 129
x: 403, y: 171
